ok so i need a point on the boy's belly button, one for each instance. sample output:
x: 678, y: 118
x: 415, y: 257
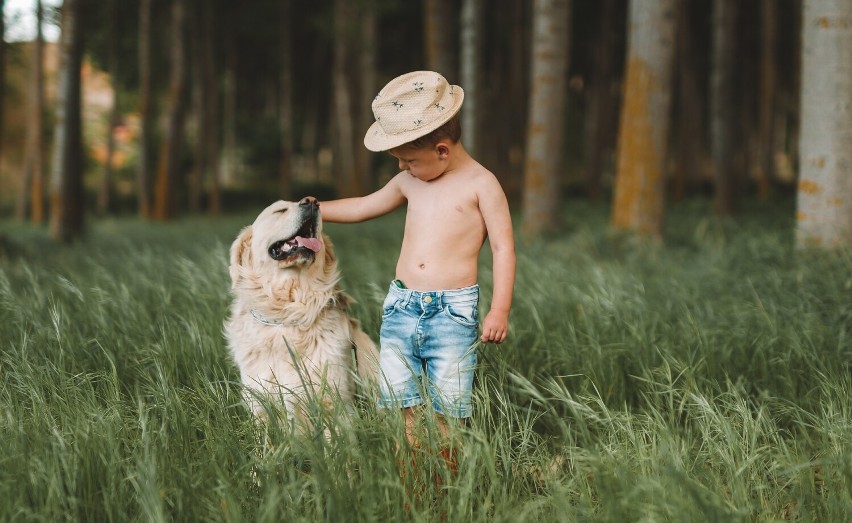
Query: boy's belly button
x: 422, y: 265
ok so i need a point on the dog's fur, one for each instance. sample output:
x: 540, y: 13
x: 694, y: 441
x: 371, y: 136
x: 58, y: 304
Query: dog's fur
x: 289, y: 331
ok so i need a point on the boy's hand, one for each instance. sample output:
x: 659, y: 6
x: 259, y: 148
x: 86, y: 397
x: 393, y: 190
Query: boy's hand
x: 495, y: 326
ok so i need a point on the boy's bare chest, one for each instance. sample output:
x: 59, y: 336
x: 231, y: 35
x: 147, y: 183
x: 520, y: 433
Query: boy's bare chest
x: 443, y: 204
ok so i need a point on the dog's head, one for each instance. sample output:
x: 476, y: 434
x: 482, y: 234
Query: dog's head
x: 285, y: 236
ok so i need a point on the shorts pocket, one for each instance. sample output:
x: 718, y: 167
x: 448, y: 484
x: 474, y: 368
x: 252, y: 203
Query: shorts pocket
x: 389, y: 305
x: 463, y: 313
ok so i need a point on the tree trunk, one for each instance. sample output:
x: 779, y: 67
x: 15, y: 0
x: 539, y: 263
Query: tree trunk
x: 440, y: 31
x: 195, y: 185
x: 342, y: 128
x: 33, y: 189
x: 768, y: 84
x: 66, y: 183
x: 471, y: 64
x: 639, y: 200
x: 599, y: 102
x: 168, y: 167
x: 3, y: 80
x: 146, y: 112
x: 229, y: 112
x: 210, y: 131
x: 689, y: 112
x: 824, y: 204
x: 544, y: 159
x: 285, y: 107
x: 106, y: 187
x: 369, y: 88
x: 722, y: 103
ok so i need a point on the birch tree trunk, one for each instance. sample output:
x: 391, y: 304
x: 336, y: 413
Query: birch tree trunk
x: 643, y: 133
x: 824, y: 201
x: 66, y: 180
x: 543, y: 163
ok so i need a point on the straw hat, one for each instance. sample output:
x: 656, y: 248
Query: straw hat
x: 411, y: 106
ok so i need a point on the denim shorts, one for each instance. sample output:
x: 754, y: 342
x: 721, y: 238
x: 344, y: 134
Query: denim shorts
x: 427, y: 349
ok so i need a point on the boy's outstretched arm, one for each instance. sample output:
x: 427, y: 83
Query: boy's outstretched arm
x: 498, y: 223
x: 353, y: 210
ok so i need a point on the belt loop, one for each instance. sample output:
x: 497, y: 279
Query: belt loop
x: 440, y: 297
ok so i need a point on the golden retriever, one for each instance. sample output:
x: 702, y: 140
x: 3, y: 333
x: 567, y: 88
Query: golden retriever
x: 289, y: 331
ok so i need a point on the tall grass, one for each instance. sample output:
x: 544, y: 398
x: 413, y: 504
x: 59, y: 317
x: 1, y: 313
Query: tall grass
x: 704, y: 379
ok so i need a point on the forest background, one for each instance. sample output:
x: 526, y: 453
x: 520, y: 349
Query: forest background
x: 702, y: 375
x: 189, y: 106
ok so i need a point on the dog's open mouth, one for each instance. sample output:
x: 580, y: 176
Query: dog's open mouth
x: 305, y: 240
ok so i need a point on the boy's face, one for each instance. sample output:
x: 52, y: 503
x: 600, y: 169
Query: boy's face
x: 427, y: 163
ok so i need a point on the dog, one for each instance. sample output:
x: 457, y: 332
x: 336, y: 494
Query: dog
x: 289, y: 330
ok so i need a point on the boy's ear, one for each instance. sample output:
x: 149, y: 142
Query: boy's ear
x: 240, y: 254
x: 443, y: 150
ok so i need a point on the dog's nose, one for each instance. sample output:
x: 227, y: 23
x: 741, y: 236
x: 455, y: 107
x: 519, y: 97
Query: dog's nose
x: 308, y: 201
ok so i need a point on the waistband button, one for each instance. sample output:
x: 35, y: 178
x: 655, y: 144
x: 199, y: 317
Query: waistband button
x: 427, y: 299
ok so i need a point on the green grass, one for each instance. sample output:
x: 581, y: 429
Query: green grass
x: 706, y: 379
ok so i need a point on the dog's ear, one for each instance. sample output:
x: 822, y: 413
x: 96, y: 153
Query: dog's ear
x: 240, y: 254
x: 330, y: 257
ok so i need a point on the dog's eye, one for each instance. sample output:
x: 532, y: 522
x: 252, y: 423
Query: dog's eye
x: 282, y: 211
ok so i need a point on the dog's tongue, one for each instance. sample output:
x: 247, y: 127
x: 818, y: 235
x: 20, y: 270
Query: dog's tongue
x: 313, y: 244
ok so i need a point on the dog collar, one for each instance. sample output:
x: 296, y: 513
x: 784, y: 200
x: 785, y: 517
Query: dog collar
x: 265, y: 321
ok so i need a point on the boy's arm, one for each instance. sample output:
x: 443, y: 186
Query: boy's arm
x: 498, y: 223
x: 353, y: 210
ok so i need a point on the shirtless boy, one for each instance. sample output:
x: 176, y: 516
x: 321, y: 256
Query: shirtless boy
x: 430, y: 318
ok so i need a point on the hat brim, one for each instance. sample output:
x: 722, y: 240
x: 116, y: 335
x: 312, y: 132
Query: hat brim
x: 377, y: 140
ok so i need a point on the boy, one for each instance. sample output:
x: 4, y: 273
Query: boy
x: 429, y: 318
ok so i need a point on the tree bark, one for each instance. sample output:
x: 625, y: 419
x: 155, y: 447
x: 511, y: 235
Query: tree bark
x: 285, y: 105
x: 768, y: 85
x: 146, y: 113
x: 66, y: 183
x: 543, y: 164
x: 210, y: 131
x: 722, y: 104
x: 105, y: 189
x: 33, y: 187
x: 342, y: 128
x: 368, y: 88
x: 689, y: 112
x: 598, y: 126
x: 440, y: 30
x: 3, y: 71
x: 824, y: 198
x: 228, y: 161
x: 168, y: 167
x: 471, y: 65
x: 639, y: 201
x: 200, y: 90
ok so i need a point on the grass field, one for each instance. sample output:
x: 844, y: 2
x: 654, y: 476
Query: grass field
x: 706, y: 379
